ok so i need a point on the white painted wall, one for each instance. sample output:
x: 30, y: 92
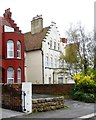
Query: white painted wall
x: 27, y: 98
x: 53, y: 36
x: 33, y: 62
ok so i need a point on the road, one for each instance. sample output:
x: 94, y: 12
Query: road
x: 75, y: 110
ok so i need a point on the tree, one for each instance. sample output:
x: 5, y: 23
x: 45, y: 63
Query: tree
x: 84, y: 53
x: 94, y: 49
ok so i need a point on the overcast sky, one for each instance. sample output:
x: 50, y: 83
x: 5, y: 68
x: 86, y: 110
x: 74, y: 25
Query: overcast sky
x: 63, y: 12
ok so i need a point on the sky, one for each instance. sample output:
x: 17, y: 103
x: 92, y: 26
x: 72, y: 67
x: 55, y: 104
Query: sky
x: 62, y: 12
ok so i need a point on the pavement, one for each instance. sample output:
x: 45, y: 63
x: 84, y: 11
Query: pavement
x: 75, y: 110
x: 6, y: 113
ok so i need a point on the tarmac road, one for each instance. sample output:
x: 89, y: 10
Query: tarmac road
x: 74, y: 111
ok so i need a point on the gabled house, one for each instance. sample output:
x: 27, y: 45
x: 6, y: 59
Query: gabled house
x: 43, y: 49
x: 11, y: 50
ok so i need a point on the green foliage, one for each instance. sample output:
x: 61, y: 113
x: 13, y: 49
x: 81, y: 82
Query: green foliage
x: 86, y: 83
x: 86, y: 97
x: 71, y: 53
x: 86, y: 86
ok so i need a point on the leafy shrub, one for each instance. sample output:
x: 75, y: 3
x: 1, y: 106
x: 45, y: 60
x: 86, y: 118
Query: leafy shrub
x: 86, y: 97
x: 85, y: 85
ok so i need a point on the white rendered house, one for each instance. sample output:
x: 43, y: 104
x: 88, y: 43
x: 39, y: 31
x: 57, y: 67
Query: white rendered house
x: 43, y: 49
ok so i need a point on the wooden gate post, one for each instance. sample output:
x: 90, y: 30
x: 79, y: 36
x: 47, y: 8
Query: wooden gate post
x: 27, y: 97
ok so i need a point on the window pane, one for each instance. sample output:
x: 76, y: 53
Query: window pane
x: 55, y: 61
x: 10, y: 75
x: 54, y: 45
x: 47, y: 61
x: 60, y: 80
x: 18, y: 49
x: 49, y: 80
x: 51, y: 44
x: 19, y: 75
x: 51, y: 61
x: 10, y: 81
x: 10, y: 49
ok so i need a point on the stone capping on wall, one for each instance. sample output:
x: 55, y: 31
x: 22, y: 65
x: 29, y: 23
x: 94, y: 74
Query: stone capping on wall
x: 46, y: 104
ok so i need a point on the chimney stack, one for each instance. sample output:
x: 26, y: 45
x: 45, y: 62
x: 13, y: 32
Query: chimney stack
x: 37, y: 24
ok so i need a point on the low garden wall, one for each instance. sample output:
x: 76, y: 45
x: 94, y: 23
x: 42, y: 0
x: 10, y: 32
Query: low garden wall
x: 11, y: 96
x: 52, y: 88
x: 46, y: 104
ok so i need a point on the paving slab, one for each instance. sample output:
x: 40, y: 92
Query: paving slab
x: 6, y: 113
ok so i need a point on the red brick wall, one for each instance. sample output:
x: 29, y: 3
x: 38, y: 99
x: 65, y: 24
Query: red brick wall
x: 11, y: 96
x: 14, y: 62
x: 53, y: 88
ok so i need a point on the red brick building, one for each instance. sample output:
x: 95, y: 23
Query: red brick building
x: 11, y: 50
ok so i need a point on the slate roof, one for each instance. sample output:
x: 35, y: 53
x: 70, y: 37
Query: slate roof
x: 34, y: 41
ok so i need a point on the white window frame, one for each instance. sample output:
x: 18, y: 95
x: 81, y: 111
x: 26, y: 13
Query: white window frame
x: 50, y: 44
x: 12, y: 75
x: 60, y: 80
x: 19, y: 50
x: 19, y: 77
x: 10, y: 49
x: 54, y: 45
x: 47, y: 61
x: 58, y: 46
x: 51, y: 61
x: 55, y: 61
x: 49, y: 79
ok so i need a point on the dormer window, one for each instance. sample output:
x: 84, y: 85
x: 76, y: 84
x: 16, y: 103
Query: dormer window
x: 10, y: 49
x: 18, y: 49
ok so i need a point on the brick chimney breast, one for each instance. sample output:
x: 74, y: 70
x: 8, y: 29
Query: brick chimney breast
x: 36, y: 24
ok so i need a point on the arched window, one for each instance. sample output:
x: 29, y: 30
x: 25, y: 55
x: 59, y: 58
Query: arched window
x: 10, y: 49
x: 10, y: 75
x: 19, y: 75
x: 18, y: 49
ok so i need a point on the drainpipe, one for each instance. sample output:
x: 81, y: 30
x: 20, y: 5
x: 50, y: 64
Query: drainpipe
x: 53, y: 77
x: 42, y: 65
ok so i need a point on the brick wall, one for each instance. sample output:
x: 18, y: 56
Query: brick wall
x: 11, y: 96
x: 53, y: 88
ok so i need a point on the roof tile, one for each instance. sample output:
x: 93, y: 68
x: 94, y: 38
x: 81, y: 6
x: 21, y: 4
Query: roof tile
x: 34, y: 42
